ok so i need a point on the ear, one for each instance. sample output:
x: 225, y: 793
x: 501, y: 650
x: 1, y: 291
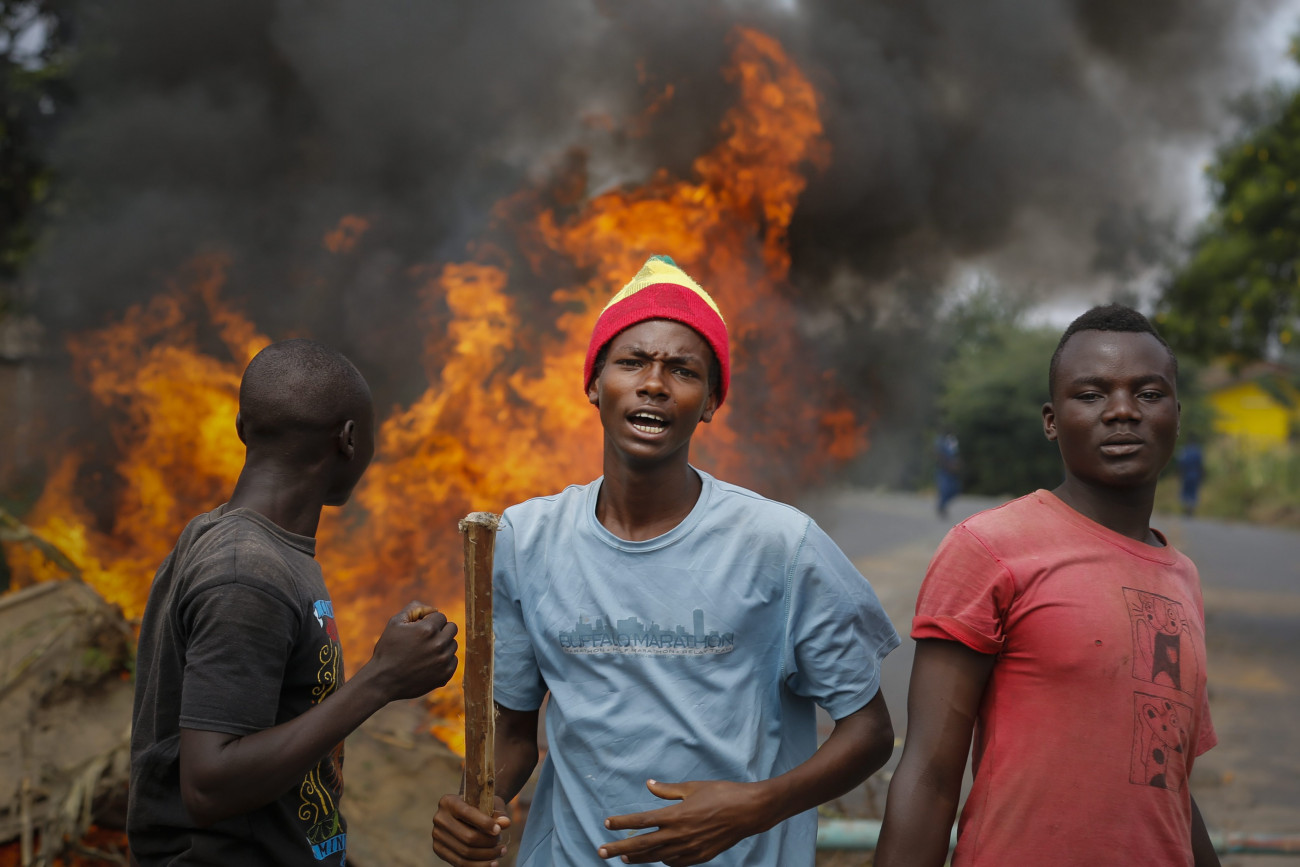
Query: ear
x: 1049, y: 422
x: 347, y: 439
x: 593, y: 393
x: 1179, y: 429
x: 710, y: 407
x: 239, y: 427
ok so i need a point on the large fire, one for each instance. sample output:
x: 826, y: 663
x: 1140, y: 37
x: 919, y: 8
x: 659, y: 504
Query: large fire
x: 504, y: 416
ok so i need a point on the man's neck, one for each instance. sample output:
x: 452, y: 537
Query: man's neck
x: 636, y: 504
x: 281, y: 496
x: 1127, y: 511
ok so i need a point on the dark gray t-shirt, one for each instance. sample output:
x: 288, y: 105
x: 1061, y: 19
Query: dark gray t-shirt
x: 238, y: 636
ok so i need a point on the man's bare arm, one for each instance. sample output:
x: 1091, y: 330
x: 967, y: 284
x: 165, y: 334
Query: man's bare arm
x: 714, y: 815
x: 464, y: 836
x: 224, y: 775
x: 1203, y: 854
x: 948, y: 680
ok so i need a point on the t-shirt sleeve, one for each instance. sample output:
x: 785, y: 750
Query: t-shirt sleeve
x: 240, y: 640
x: 837, y: 633
x: 966, y: 594
x: 1206, y: 737
x: 517, y: 679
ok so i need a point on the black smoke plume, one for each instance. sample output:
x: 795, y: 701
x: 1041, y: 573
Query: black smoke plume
x: 1008, y: 135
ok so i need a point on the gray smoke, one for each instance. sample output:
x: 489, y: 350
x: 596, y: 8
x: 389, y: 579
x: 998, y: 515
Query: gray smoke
x: 1007, y: 131
x: 1028, y: 137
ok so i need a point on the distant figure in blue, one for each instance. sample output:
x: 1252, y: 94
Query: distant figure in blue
x: 1191, y: 471
x: 948, y: 470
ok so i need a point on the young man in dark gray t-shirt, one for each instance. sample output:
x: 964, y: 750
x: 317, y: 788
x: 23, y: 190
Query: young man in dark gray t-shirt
x: 241, y: 705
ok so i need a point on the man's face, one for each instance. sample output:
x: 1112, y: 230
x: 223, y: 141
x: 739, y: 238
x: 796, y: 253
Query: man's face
x: 653, y: 389
x: 1114, y: 408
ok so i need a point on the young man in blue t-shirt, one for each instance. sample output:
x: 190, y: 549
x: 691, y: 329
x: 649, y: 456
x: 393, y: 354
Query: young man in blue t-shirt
x: 684, y: 629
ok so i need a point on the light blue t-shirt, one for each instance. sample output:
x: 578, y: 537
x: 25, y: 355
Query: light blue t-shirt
x: 697, y: 655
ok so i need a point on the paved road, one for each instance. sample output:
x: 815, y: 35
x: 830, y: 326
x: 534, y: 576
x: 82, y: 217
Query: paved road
x: 1251, y: 582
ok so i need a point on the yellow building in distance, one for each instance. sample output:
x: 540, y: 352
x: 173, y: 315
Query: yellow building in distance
x: 1258, y: 405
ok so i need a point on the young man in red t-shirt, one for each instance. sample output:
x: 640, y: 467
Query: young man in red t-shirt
x: 1068, y: 637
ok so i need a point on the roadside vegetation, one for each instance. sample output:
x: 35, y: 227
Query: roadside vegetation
x: 1244, y: 484
x: 994, y: 380
x: 1230, y: 298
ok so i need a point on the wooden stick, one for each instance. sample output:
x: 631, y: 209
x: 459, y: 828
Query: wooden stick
x: 480, y: 530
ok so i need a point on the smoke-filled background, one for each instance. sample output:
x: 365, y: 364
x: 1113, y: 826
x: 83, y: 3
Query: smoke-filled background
x: 1006, y: 133
x: 1046, y: 144
x: 889, y: 199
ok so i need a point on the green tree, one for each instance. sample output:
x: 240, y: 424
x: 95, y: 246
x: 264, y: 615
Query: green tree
x: 1239, y: 291
x: 992, y: 399
x: 994, y: 383
x: 34, y: 90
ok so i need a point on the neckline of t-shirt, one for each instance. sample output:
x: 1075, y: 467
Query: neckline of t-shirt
x: 679, y: 532
x: 305, y: 544
x: 1165, y: 554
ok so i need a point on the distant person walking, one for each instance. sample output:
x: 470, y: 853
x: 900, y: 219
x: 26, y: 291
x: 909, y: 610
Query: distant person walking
x: 1191, y: 472
x: 947, y: 470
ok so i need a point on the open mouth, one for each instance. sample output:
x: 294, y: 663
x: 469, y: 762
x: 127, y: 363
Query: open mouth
x: 648, y: 422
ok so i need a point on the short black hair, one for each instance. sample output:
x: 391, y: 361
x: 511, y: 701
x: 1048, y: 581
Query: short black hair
x: 300, y: 385
x: 1108, y: 317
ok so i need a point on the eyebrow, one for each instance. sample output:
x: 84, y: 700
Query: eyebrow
x: 640, y: 352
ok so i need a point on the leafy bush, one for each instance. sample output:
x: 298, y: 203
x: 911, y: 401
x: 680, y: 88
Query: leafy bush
x: 992, y: 398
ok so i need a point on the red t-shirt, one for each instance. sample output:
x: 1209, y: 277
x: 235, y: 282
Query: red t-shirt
x: 1096, y: 706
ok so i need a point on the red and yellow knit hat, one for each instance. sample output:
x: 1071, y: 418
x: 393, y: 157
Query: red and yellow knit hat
x: 661, y: 290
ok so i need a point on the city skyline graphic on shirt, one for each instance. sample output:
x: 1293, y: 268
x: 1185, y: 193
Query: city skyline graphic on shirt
x: 603, y: 634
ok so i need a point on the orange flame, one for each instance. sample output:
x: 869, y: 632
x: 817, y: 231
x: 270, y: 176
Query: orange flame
x: 504, y: 416
x: 175, y: 438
